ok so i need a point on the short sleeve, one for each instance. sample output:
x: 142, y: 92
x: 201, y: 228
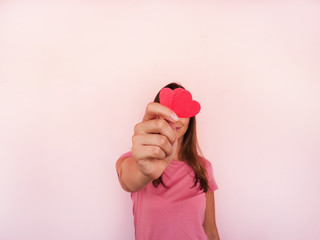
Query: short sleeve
x: 212, y: 183
x: 127, y: 154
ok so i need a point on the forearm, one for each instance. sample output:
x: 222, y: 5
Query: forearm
x: 212, y: 233
x: 131, y: 178
x: 213, y: 236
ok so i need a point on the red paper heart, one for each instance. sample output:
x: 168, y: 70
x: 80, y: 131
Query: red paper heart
x: 180, y: 101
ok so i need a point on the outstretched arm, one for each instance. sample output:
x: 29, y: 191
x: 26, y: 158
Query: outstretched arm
x: 134, y: 179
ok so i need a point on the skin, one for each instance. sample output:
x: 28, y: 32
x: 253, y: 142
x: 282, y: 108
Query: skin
x: 152, y: 154
x: 209, y: 225
x: 181, y: 128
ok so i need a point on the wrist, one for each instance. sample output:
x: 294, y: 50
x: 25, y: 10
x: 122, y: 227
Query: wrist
x: 134, y: 179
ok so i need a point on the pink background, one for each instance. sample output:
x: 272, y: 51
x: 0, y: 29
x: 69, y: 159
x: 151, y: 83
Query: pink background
x: 76, y: 77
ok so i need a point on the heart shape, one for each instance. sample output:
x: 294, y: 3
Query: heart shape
x: 180, y: 101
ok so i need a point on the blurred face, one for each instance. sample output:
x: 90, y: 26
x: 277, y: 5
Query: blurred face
x: 182, y: 126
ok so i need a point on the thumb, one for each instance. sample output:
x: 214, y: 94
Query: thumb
x: 172, y: 125
x: 175, y: 145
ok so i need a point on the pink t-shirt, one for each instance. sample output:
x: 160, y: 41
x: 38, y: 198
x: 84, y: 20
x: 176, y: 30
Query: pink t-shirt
x: 175, y: 213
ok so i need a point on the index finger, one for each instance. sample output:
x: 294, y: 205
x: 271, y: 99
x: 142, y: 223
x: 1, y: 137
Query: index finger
x: 155, y: 109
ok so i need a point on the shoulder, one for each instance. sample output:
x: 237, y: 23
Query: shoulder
x: 121, y: 159
x: 209, y: 169
x: 124, y: 155
x: 206, y: 163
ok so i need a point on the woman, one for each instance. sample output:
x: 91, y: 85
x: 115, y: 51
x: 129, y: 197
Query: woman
x: 172, y: 187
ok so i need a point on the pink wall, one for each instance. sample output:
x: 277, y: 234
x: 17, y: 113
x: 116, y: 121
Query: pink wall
x: 75, y: 78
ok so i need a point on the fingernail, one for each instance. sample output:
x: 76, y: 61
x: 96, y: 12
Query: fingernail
x: 174, y: 117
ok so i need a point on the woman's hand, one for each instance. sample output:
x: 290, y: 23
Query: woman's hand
x: 154, y: 142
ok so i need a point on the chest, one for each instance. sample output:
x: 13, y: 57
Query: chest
x: 179, y: 201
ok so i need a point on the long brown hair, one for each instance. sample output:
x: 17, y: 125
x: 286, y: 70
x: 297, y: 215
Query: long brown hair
x: 189, y: 150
